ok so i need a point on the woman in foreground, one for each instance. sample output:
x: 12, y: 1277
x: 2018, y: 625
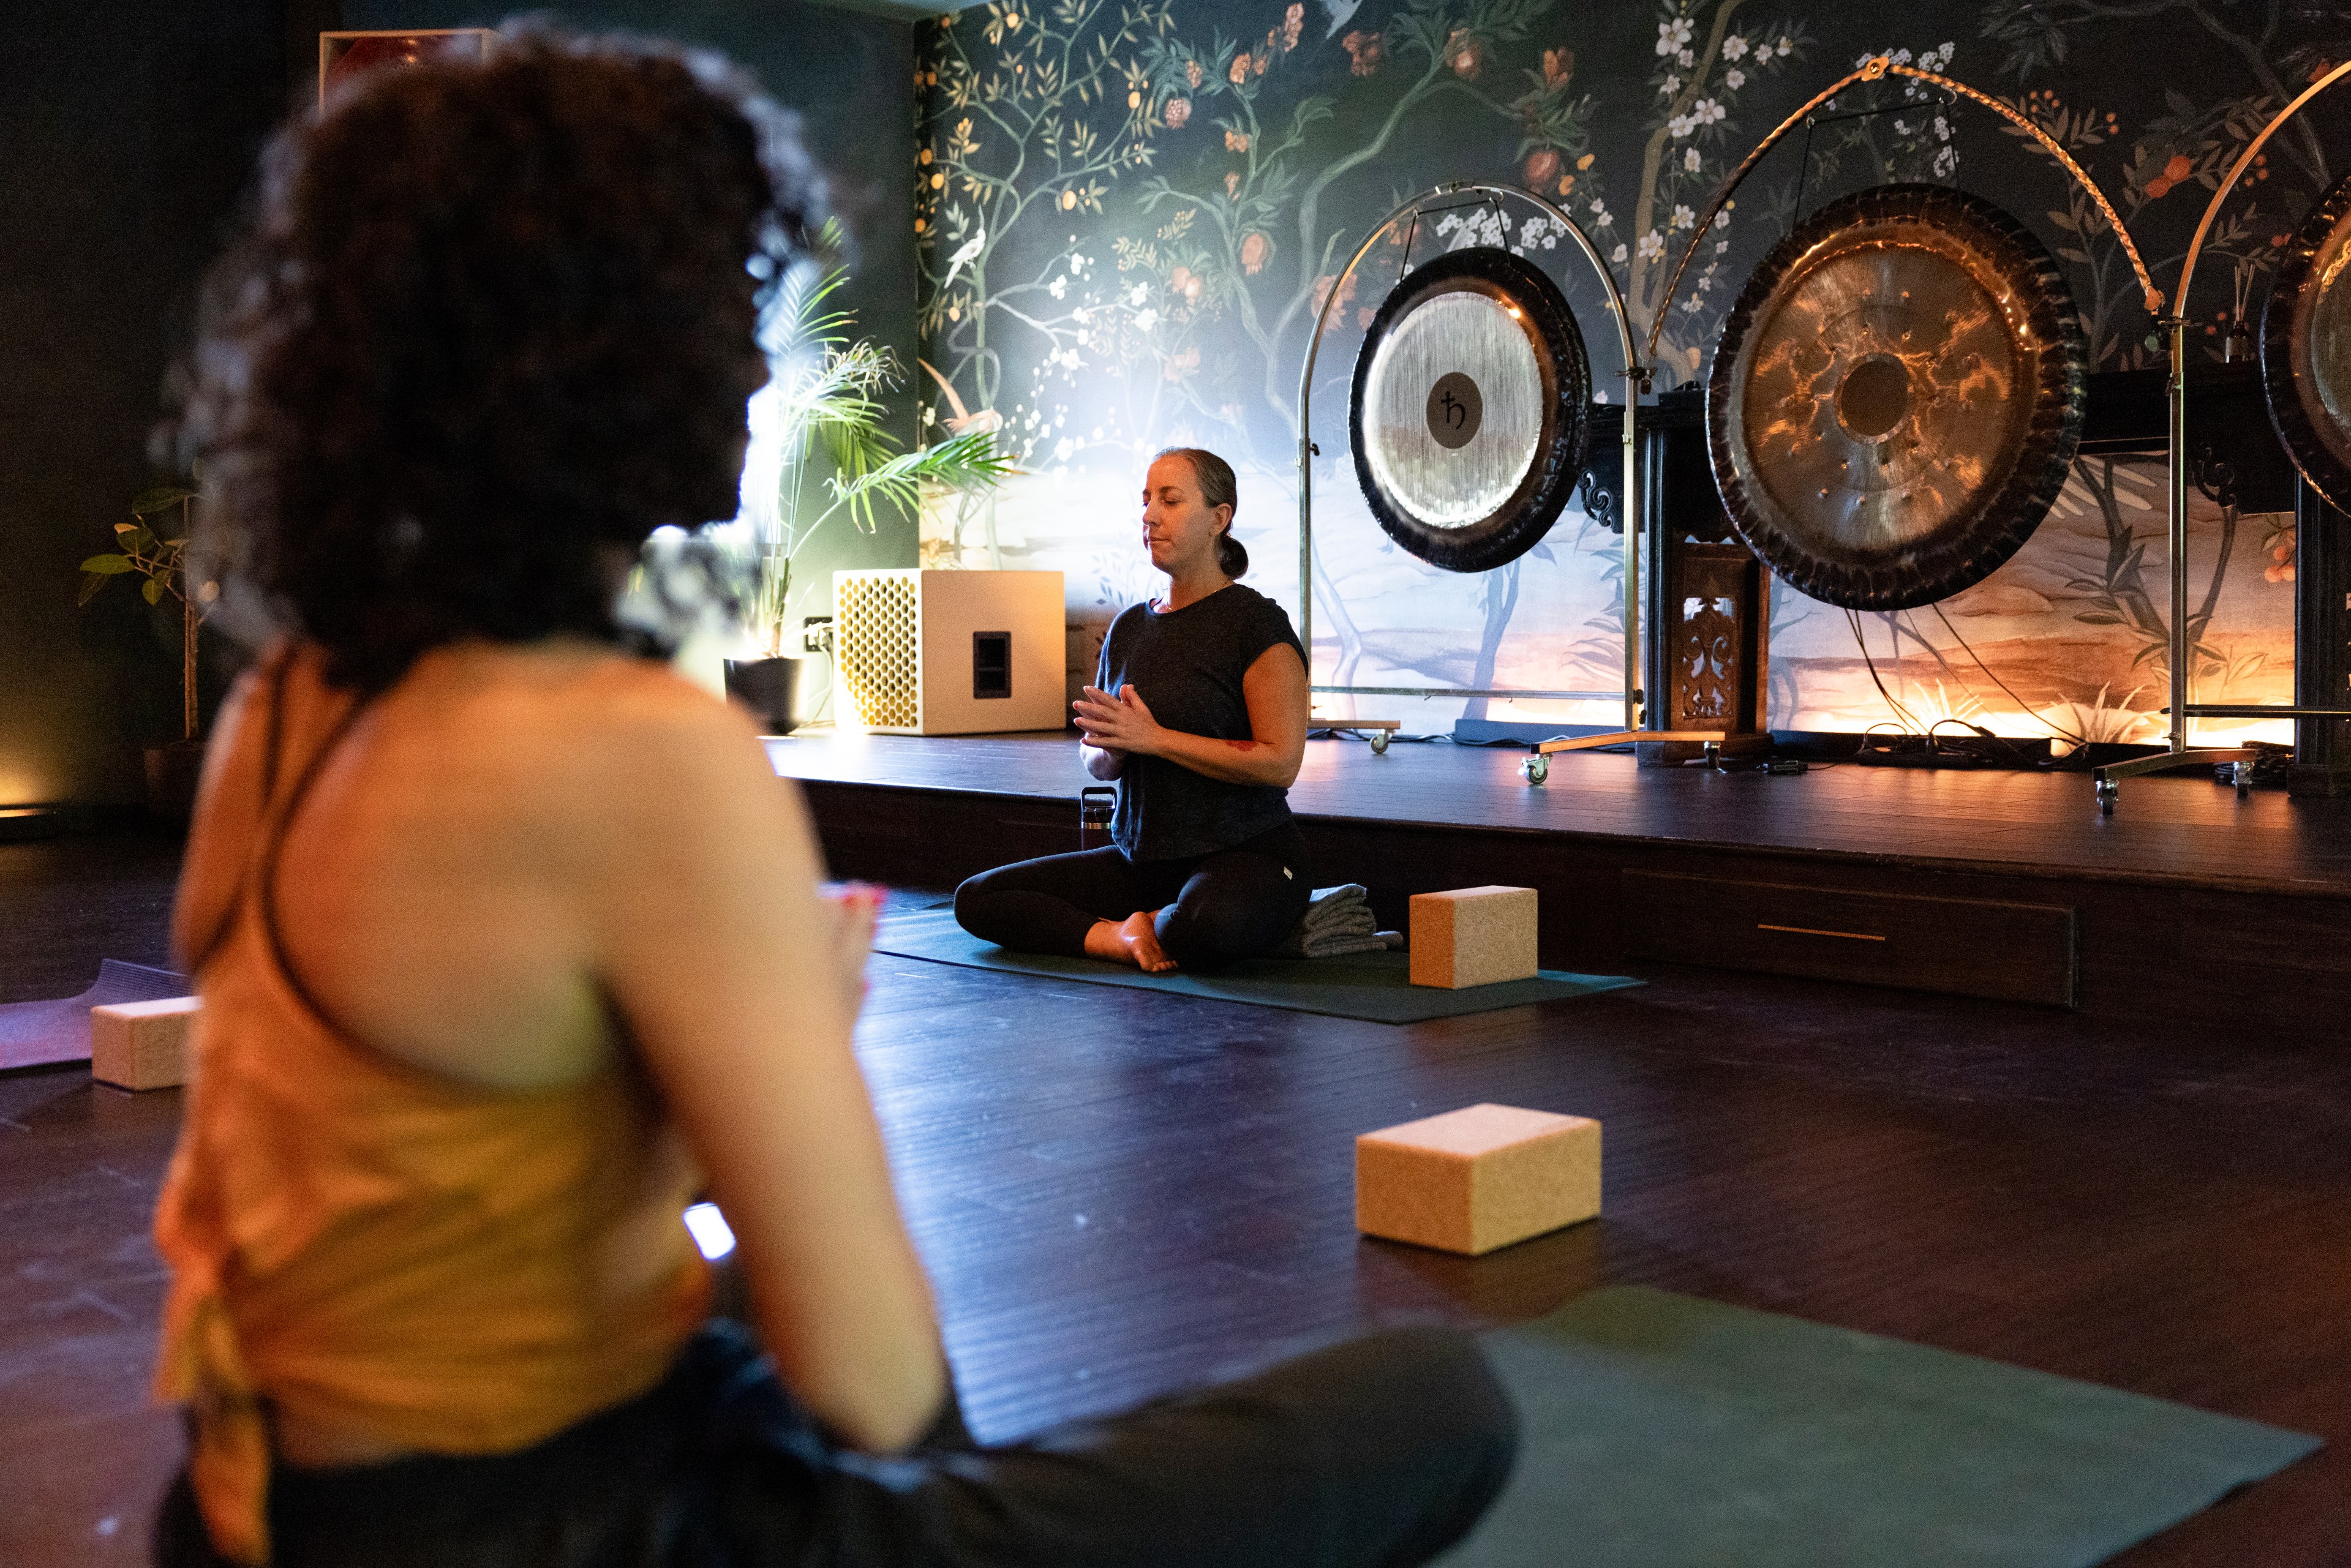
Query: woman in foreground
x: 1200, y: 713
x: 510, y: 941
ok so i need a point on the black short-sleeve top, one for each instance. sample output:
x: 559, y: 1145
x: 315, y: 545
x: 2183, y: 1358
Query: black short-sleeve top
x: 1186, y: 664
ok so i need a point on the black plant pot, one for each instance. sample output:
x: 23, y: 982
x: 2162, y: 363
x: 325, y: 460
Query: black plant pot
x: 173, y: 769
x: 771, y: 689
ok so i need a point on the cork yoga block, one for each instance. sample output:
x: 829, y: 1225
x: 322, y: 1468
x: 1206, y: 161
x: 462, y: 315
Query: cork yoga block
x: 142, y: 1045
x: 1473, y: 937
x: 1475, y: 1179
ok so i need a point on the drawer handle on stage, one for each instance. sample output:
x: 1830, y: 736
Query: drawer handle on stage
x: 1815, y: 931
x: 1918, y: 942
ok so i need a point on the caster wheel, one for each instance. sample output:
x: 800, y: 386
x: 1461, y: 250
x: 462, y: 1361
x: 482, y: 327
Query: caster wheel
x: 1379, y: 743
x: 1535, y: 768
x: 2108, y: 791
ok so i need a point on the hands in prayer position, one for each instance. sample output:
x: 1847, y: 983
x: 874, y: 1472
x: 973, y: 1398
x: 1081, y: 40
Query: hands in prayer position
x: 1119, y: 724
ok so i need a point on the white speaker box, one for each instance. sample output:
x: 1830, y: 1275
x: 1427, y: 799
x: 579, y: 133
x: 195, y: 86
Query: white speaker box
x: 950, y: 653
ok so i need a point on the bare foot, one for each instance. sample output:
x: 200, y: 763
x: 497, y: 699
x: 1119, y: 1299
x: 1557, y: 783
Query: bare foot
x: 1134, y: 940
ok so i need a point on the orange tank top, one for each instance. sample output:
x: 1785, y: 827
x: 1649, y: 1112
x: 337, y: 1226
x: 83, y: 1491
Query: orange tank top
x: 376, y: 1246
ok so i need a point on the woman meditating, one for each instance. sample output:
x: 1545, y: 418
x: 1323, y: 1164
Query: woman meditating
x: 1200, y: 713
x: 510, y: 941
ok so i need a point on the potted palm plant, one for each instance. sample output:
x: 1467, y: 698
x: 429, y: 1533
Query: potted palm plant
x: 142, y: 551
x: 830, y: 404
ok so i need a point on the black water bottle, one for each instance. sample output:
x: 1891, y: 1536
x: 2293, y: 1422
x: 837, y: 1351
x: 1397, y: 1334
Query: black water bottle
x: 1096, y: 805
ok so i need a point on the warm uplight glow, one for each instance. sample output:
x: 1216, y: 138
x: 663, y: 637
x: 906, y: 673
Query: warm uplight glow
x: 712, y: 1235
x: 25, y: 782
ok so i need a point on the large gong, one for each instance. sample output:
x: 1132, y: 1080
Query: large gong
x: 1896, y: 397
x: 2307, y: 347
x: 1471, y: 409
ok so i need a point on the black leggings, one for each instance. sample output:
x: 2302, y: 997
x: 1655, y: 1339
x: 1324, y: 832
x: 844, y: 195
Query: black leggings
x: 1213, y: 908
x: 1377, y: 1454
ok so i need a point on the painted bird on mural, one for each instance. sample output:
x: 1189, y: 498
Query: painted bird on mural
x: 1339, y: 11
x: 966, y: 251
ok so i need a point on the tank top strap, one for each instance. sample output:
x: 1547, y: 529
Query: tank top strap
x: 284, y: 789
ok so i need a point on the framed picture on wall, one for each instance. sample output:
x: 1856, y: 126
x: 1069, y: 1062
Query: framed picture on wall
x: 344, y: 55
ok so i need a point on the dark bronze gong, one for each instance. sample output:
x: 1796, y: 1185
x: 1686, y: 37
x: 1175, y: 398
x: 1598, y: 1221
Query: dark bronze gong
x: 1471, y: 409
x: 1896, y: 397
x: 2307, y: 347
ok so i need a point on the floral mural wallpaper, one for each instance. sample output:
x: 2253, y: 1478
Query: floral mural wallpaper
x: 1131, y: 214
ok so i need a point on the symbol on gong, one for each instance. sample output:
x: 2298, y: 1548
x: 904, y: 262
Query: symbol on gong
x: 1455, y: 410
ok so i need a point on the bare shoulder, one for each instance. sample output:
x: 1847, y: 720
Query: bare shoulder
x: 574, y: 737
x: 492, y: 816
x: 632, y: 724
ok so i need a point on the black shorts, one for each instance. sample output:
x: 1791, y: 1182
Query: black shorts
x: 1382, y: 1451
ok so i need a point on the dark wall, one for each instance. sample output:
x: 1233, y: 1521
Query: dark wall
x: 851, y: 77
x: 126, y: 132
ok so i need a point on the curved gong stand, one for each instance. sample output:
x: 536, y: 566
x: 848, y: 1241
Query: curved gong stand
x: 1636, y: 380
x: 1872, y: 70
x: 2182, y: 712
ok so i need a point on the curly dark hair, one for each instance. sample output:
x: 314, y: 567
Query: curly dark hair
x: 495, y: 322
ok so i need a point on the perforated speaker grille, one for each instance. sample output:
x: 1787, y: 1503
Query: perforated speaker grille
x: 879, y: 634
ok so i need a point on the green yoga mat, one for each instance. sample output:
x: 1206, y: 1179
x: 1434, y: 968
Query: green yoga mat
x: 1374, y: 986
x: 1660, y: 1430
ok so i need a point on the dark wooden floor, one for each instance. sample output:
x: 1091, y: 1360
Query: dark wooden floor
x: 66, y: 903
x: 1120, y: 1193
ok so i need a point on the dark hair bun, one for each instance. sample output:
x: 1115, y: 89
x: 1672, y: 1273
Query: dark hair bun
x: 1232, y: 556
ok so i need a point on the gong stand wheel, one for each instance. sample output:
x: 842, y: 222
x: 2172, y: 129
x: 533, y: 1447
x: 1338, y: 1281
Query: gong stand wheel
x: 2307, y: 347
x: 1471, y: 409
x: 1896, y: 398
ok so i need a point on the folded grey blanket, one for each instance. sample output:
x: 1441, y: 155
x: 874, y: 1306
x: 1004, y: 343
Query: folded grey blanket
x: 1339, y: 908
x: 1338, y: 921
x: 1297, y: 947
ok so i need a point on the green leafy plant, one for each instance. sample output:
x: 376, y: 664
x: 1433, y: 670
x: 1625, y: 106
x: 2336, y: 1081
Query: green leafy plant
x: 160, y: 562
x: 830, y: 403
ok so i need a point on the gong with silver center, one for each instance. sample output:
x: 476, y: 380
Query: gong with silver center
x: 1896, y: 397
x: 2307, y: 347
x: 1471, y: 409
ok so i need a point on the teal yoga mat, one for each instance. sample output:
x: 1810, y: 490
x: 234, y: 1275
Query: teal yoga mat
x: 1374, y: 986
x: 1662, y: 1430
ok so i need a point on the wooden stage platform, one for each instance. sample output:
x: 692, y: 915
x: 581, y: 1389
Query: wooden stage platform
x: 2189, y: 903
